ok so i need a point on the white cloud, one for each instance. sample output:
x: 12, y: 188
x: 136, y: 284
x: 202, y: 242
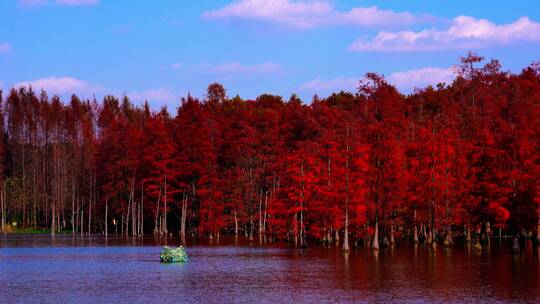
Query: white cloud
x: 33, y: 3
x: 326, y: 86
x: 420, y: 78
x: 309, y: 14
x: 61, y: 86
x: 239, y: 68
x: 403, y: 80
x: 172, y: 66
x: 464, y: 33
x: 76, y: 2
x: 5, y: 48
x: 162, y: 94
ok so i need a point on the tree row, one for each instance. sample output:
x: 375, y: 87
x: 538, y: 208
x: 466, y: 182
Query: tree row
x: 459, y: 160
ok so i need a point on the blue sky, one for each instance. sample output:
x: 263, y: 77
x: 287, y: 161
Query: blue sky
x: 161, y: 50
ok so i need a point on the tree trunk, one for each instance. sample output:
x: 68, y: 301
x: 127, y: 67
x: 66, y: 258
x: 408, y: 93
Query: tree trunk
x: 515, y: 245
x: 53, y: 224
x: 448, y: 239
x: 164, y: 221
x: 134, y: 211
x: 346, y: 231
x: 415, y: 234
x: 251, y: 228
x: 184, y: 216
x: 34, y: 184
x: 375, y: 241
x: 478, y: 244
x: 106, y: 215
x: 302, y: 203
x: 89, y: 217
x: 3, y: 209
x: 156, y: 227
x: 484, y: 233
x: 329, y: 237
x: 538, y: 228
x: 77, y: 219
x: 73, y: 206
x: 260, y: 213
x: 392, y: 240
x: 134, y: 216
x: 235, y: 223
x: 434, y: 239
x: 82, y: 219
x: 264, y: 214
x: 128, y: 213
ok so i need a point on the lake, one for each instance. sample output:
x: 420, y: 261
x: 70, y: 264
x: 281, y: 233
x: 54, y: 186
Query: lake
x: 41, y: 269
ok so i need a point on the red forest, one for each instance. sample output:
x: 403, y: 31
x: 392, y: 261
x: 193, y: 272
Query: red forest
x: 455, y: 160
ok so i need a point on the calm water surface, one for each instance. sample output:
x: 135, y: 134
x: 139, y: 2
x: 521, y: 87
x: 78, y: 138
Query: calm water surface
x: 40, y: 269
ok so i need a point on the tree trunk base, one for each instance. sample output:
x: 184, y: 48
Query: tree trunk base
x: 448, y: 242
x: 515, y: 246
x: 375, y: 241
x: 415, y: 234
x: 478, y: 246
x: 386, y: 242
x: 429, y: 239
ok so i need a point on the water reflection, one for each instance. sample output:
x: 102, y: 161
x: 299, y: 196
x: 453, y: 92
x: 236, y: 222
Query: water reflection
x: 124, y: 270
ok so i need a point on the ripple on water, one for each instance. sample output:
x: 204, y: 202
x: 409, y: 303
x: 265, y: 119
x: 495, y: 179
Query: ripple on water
x: 90, y: 270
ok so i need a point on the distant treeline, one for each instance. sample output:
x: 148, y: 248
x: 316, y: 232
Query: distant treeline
x: 459, y: 159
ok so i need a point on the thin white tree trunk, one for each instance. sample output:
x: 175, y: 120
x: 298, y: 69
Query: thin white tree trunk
x: 82, y: 219
x: 53, y: 224
x: 265, y: 208
x: 392, y: 240
x: 346, y: 231
x: 73, y: 206
x: 260, y: 213
x: 235, y: 223
x: 134, y: 213
x: 183, y: 220
x: 164, y: 222
x: 156, y: 227
x: 3, y: 208
x: 89, y: 217
x: 106, y: 217
x: 128, y: 213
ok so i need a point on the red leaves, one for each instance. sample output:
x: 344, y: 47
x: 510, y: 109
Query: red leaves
x: 468, y: 152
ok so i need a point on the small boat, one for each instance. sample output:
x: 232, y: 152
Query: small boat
x: 173, y: 255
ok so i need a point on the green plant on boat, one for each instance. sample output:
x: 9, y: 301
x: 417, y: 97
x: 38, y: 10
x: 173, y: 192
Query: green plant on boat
x: 173, y: 255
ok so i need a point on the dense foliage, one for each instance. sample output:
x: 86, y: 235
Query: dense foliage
x: 445, y: 161
x: 173, y: 255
